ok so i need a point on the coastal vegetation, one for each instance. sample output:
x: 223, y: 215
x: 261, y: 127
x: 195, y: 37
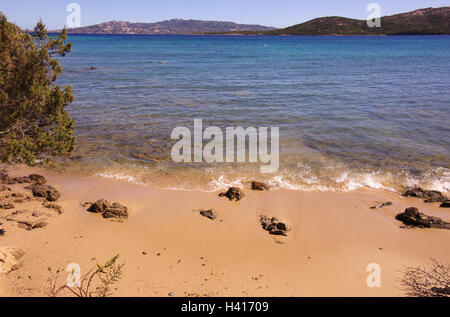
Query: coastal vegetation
x: 429, y: 21
x: 419, y: 22
x: 103, y: 277
x: 429, y: 281
x: 33, y: 119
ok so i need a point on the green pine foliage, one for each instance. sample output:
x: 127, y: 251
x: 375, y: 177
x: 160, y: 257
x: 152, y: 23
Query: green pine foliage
x: 33, y: 119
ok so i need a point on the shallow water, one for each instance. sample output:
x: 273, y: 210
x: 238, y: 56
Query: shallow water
x: 352, y: 111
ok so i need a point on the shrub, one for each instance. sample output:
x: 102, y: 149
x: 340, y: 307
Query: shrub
x: 103, y: 276
x: 33, y: 119
x: 430, y: 281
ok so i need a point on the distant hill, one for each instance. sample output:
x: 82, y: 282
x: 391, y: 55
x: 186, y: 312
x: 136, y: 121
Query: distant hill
x: 175, y: 26
x: 422, y: 21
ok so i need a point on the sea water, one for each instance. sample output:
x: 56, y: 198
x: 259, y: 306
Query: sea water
x: 352, y: 111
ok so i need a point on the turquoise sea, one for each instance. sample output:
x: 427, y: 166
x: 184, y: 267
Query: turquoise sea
x: 352, y: 111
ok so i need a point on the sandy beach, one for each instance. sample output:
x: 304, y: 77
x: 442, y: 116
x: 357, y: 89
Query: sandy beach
x: 168, y: 248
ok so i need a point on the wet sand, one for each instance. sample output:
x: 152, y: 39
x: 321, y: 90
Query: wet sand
x: 168, y: 248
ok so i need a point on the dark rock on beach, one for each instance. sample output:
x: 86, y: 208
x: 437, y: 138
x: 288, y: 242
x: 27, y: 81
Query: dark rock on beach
x: 99, y: 206
x: 8, y: 180
x: 412, y: 217
x: 4, y: 178
x: 429, y: 196
x: 445, y: 204
x: 116, y: 211
x: 273, y: 225
x: 37, y: 179
x: 45, y: 191
x: 31, y: 225
x: 233, y: 194
x: 211, y: 214
x: 108, y: 210
x: 22, y: 218
x: 21, y: 180
x: 55, y: 207
x: 30, y: 179
x: 434, y: 196
x: 260, y: 186
x: 7, y: 206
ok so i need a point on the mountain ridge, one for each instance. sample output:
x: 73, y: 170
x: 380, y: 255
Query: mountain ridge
x: 173, y: 26
x: 420, y: 21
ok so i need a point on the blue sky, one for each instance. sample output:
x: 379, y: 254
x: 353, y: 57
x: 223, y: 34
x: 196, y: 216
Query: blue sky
x: 278, y: 13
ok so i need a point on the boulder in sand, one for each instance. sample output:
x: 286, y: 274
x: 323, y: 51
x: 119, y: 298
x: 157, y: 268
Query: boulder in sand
x: 37, y: 179
x: 116, y: 211
x: 21, y: 180
x: 7, y: 206
x: 21, y: 217
x: 10, y: 259
x: 109, y: 210
x: 445, y: 204
x: 31, y: 225
x: 99, y: 206
x: 429, y: 196
x: 260, y: 186
x: 45, y: 191
x: 274, y: 226
x: 4, y: 177
x: 233, y: 194
x: 412, y: 217
x: 8, y: 180
x: 55, y: 207
x: 211, y: 214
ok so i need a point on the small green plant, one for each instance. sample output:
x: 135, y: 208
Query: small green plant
x: 429, y: 281
x: 104, y: 276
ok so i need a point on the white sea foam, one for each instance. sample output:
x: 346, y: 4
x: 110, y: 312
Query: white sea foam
x: 280, y: 182
x: 222, y: 182
x: 121, y: 177
x: 438, y: 180
x: 373, y: 180
x: 441, y: 183
x: 305, y: 179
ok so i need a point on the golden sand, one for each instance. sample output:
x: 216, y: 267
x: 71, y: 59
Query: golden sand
x: 168, y: 247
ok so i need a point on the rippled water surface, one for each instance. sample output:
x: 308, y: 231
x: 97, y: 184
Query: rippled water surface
x: 352, y: 111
